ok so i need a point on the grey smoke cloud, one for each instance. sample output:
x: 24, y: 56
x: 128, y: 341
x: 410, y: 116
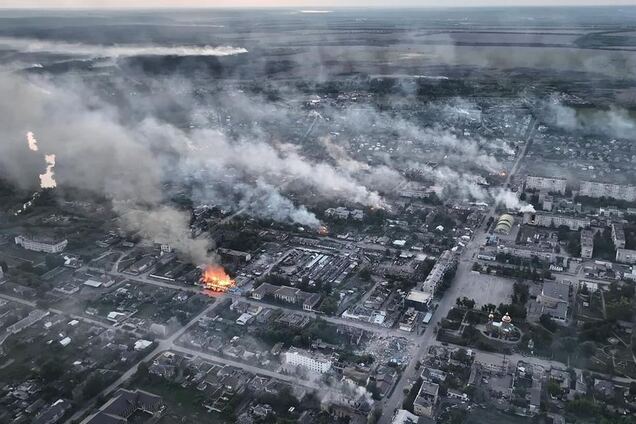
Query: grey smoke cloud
x: 128, y: 160
x: 31, y: 45
x: 129, y: 163
x: 441, y: 142
x: 94, y: 152
x: 164, y: 224
x: 615, y: 121
x: 510, y: 200
x: 213, y: 153
x: 265, y: 201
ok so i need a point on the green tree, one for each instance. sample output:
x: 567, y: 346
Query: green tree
x: 142, y: 372
x: 51, y: 370
x: 548, y: 323
x: 53, y: 261
x: 93, y: 386
x: 554, y: 388
x: 365, y: 274
x: 329, y: 306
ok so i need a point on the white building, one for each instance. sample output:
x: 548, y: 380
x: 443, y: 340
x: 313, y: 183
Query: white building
x: 41, y: 245
x: 244, y: 319
x: 615, y: 191
x: 626, y: 256
x: 313, y: 361
x: 555, y: 300
x: 440, y: 268
x: 552, y: 185
x: 552, y: 220
x: 426, y: 400
x: 405, y: 417
x: 618, y: 236
x: 587, y: 244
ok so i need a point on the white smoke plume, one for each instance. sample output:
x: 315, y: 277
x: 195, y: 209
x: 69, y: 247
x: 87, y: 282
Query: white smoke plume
x: 439, y: 144
x: 511, y: 201
x: 211, y: 153
x: 166, y: 225
x: 100, y: 156
x: 30, y: 45
x: 265, y: 201
x: 129, y: 163
x: 614, y: 121
x: 339, y: 154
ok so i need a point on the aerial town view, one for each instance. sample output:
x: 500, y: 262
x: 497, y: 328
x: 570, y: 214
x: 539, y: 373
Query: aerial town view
x: 317, y: 212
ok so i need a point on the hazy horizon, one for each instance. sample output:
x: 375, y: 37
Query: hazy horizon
x: 319, y: 4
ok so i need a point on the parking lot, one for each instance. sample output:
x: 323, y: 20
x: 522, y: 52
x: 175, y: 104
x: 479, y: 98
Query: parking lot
x: 487, y: 288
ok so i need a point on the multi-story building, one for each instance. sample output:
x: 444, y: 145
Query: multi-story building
x: 40, y: 244
x: 409, y: 320
x: 549, y: 184
x: 626, y: 256
x: 614, y: 191
x: 440, y: 268
x: 618, y: 236
x: 424, y: 404
x: 587, y: 244
x: 548, y: 203
x: 313, y: 361
x: 552, y: 220
x: 544, y: 253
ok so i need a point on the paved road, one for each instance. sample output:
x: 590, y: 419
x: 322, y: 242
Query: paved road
x: 169, y: 345
x: 464, y: 267
x: 334, y: 320
x: 163, y: 345
x: 427, y: 339
x: 18, y: 300
x: 254, y: 369
x: 146, y: 280
x: 56, y: 311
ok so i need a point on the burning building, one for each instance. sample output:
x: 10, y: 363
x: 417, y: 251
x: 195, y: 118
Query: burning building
x: 215, y: 278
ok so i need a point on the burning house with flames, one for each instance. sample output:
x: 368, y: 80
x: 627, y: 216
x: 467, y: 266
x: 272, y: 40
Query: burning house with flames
x: 214, y: 278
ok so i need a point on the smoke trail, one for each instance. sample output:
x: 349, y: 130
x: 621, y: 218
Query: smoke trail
x: 267, y: 202
x: 511, y: 201
x: 30, y: 45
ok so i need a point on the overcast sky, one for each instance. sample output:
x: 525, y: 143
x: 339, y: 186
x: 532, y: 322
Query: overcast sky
x: 299, y: 3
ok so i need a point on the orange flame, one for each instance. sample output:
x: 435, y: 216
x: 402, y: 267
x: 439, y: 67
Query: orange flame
x: 323, y: 231
x: 216, y: 279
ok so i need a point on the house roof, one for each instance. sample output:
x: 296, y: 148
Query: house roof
x: 285, y: 291
x: 556, y: 290
x: 312, y: 300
